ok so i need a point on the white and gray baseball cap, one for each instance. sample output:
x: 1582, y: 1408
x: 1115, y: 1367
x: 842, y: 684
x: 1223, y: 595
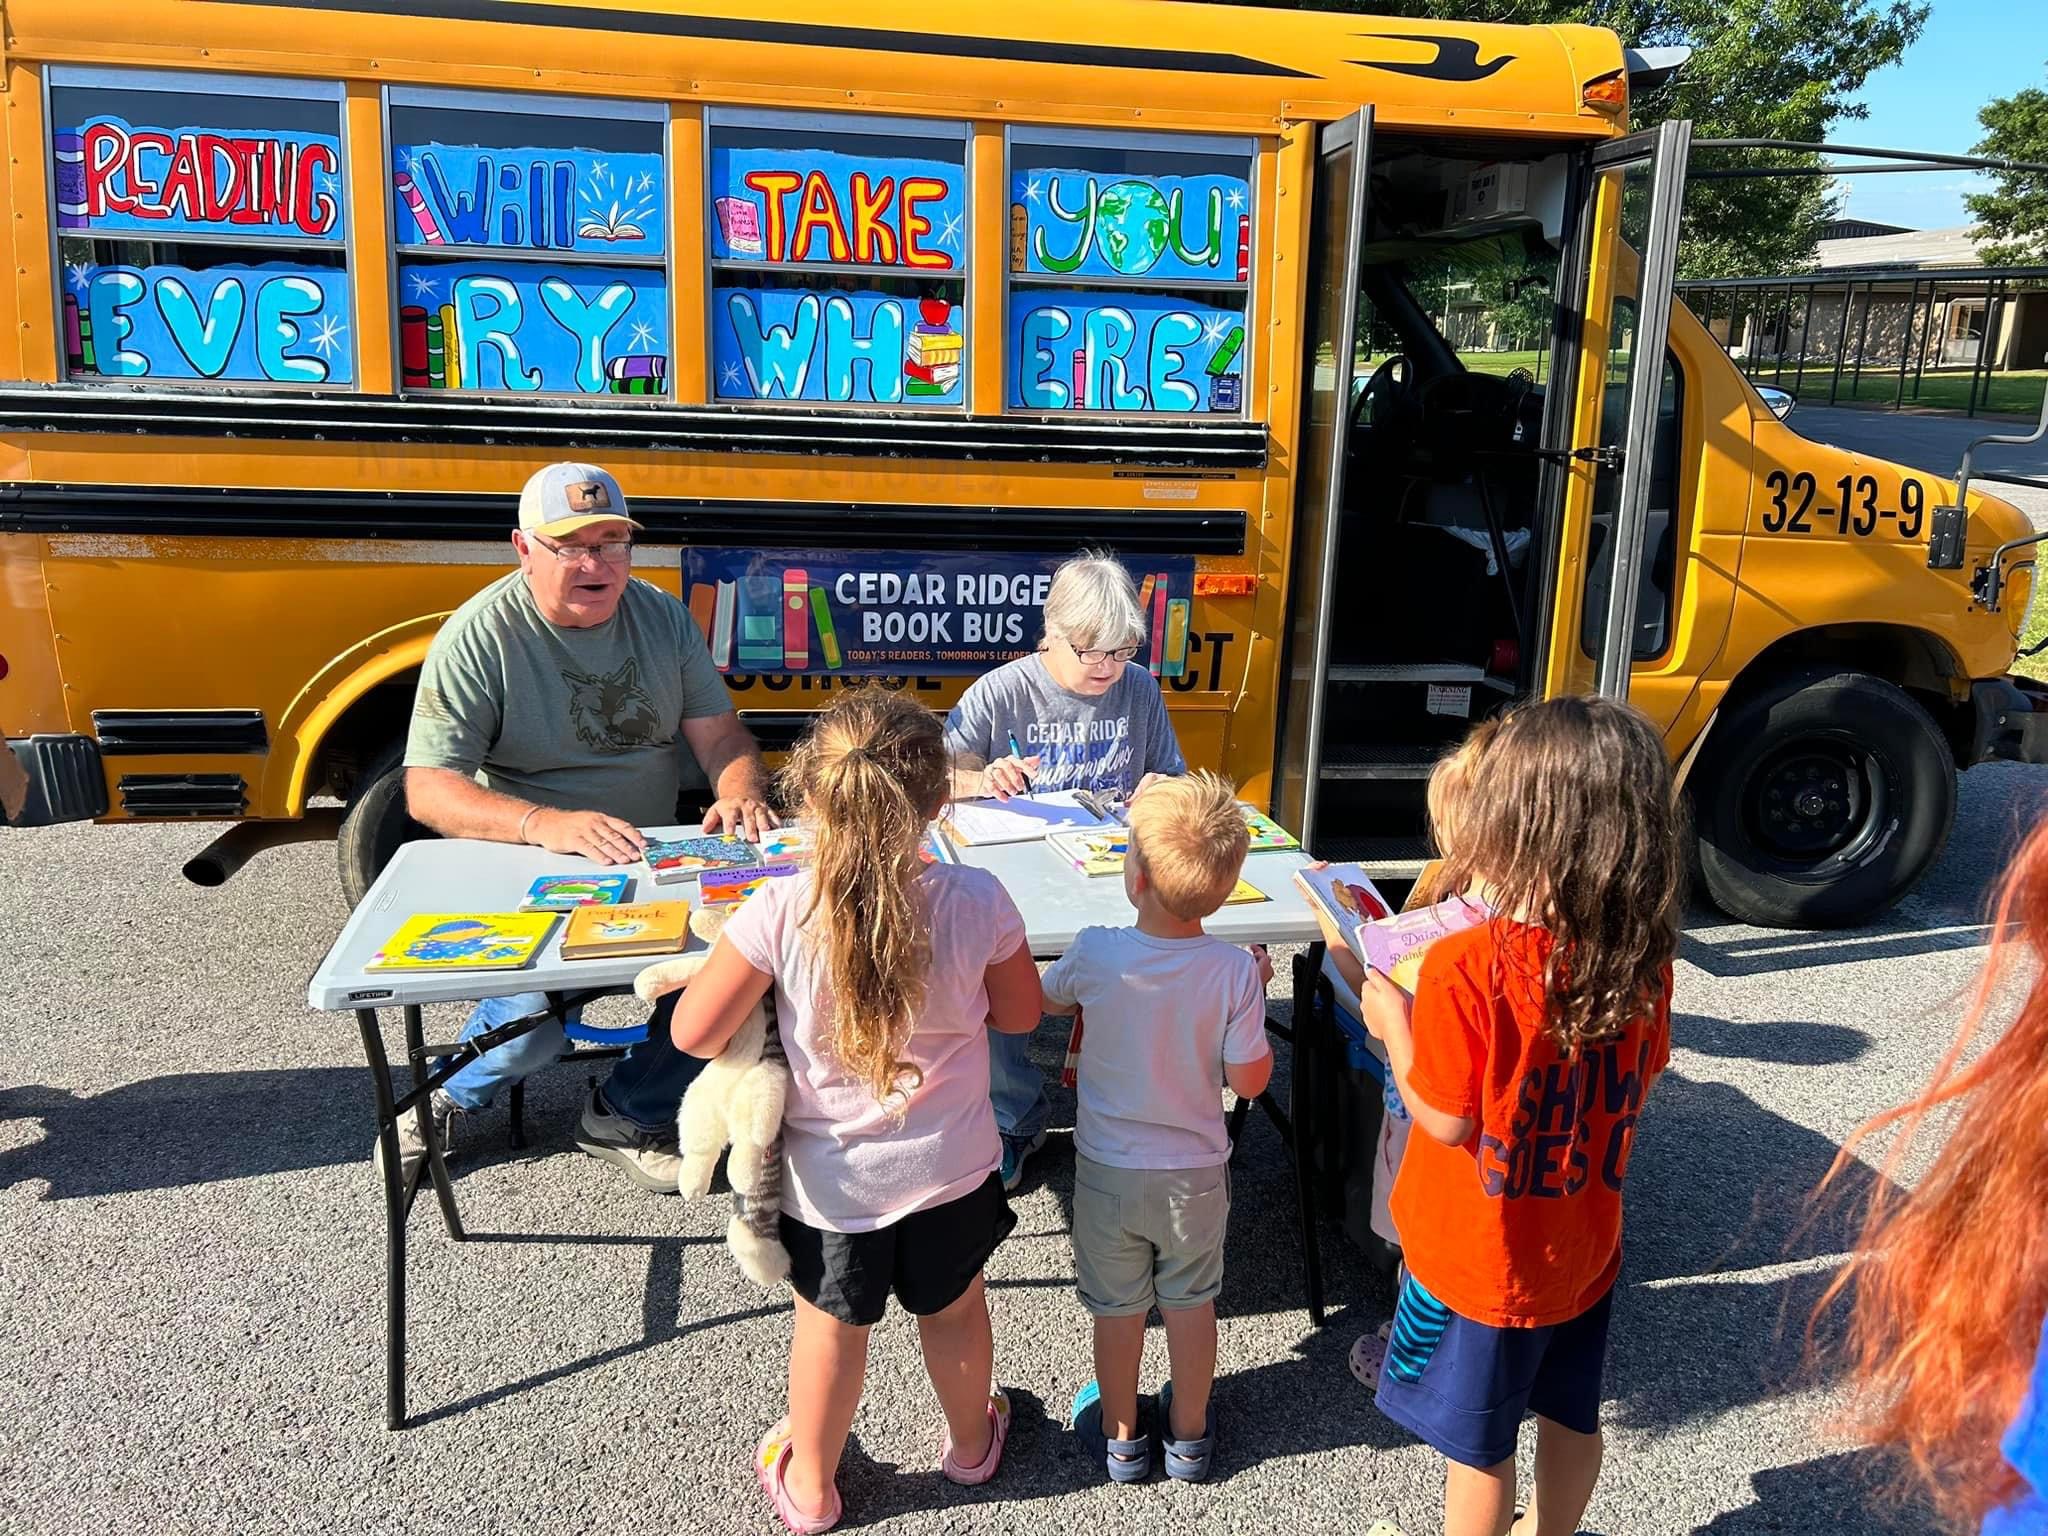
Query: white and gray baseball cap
x: 562, y: 498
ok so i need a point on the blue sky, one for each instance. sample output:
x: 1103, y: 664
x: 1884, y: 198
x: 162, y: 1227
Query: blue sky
x: 1971, y: 51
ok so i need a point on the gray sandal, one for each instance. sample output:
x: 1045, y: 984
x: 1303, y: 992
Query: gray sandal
x: 1187, y: 1461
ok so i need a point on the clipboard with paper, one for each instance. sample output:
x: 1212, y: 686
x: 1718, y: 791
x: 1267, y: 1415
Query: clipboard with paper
x: 1020, y: 819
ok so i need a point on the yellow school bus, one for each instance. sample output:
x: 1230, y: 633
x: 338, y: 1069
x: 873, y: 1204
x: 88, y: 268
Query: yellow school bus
x: 875, y: 322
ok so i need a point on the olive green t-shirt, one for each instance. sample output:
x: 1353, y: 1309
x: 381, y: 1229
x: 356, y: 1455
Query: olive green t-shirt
x: 578, y: 719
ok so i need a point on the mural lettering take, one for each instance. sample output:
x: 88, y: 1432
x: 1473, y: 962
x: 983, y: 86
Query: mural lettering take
x: 903, y: 217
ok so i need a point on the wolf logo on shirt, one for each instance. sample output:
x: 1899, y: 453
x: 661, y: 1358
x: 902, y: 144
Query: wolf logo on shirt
x: 611, y: 712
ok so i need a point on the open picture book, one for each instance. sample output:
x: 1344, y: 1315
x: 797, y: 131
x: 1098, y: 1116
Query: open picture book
x: 1384, y: 940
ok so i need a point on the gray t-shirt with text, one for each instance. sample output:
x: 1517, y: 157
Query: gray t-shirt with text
x: 1108, y: 742
x: 577, y: 719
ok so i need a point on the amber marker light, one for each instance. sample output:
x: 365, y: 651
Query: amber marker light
x: 1609, y: 93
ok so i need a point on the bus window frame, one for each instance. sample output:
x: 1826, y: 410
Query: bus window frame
x: 842, y: 124
x: 518, y: 104
x: 1219, y: 144
x: 201, y: 83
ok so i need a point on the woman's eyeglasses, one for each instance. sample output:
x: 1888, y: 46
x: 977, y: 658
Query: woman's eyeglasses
x: 612, y: 551
x: 1095, y: 657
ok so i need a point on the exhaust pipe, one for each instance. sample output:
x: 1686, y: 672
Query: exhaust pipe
x: 212, y: 865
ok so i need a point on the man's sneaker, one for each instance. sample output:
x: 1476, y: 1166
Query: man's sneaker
x: 411, y: 1145
x: 1015, y: 1150
x: 650, y: 1158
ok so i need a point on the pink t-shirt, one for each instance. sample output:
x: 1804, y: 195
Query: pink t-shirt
x: 854, y: 1164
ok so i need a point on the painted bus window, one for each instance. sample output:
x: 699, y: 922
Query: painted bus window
x: 1129, y: 266
x: 202, y: 229
x: 838, y: 260
x: 532, y: 241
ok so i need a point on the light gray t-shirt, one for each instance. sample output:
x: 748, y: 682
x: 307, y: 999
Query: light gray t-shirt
x: 578, y: 719
x: 1160, y: 1017
x: 1104, y: 743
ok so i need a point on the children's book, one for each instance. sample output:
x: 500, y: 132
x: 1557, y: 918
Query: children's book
x: 937, y: 848
x: 1393, y: 946
x: 1243, y: 893
x: 1020, y: 819
x: 684, y: 858
x: 647, y: 928
x: 560, y: 893
x: 1266, y: 832
x: 1093, y: 853
x: 464, y: 941
x: 1345, y: 892
x: 787, y: 845
x: 725, y: 887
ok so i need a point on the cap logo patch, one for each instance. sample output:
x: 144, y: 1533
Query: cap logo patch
x: 588, y: 496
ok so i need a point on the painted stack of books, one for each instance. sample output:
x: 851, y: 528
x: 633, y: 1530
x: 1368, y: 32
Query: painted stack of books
x: 933, y: 365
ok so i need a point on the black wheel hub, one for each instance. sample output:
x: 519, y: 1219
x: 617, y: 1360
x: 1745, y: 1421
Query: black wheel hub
x: 1815, y: 800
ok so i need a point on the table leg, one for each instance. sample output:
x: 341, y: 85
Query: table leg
x: 1308, y: 984
x: 395, y: 1203
x: 436, y: 1160
x: 1242, y: 1108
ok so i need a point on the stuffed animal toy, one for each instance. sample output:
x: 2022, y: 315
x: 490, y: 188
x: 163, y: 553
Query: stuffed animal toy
x: 736, y: 1100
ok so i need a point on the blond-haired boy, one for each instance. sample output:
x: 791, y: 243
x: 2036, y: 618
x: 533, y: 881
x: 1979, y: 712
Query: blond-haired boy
x: 1171, y: 1016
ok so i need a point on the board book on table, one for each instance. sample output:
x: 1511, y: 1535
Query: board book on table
x: 684, y: 858
x: 787, y: 845
x: 724, y: 887
x: 1092, y: 853
x: 464, y: 941
x: 560, y: 893
x: 645, y: 928
x: 1019, y: 819
x: 1266, y: 832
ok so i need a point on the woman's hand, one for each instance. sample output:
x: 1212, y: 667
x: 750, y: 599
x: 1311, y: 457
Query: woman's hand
x: 1146, y: 783
x: 1008, y: 776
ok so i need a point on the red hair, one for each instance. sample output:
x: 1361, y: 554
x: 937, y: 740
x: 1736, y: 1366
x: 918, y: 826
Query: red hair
x: 1951, y: 1280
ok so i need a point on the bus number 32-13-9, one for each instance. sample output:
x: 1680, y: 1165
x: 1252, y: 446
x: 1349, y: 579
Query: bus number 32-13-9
x: 1855, y: 509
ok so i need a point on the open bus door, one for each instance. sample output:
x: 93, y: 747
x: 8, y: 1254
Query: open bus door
x: 1637, y: 195
x: 1336, y: 235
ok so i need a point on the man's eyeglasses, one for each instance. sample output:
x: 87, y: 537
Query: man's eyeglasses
x: 612, y: 551
x: 1093, y: 657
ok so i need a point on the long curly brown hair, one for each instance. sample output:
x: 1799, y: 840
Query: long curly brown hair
x: 869, y: 776
x: 1563, y: 811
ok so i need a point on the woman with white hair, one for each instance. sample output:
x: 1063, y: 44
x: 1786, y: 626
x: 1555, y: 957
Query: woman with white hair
x: 1076, y: 714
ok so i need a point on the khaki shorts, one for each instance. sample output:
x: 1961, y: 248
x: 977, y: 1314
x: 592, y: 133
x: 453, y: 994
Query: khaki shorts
x: 1143, y: 1236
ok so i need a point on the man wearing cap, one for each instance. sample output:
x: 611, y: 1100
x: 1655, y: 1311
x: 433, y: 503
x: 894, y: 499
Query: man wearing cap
x: 560, y: 707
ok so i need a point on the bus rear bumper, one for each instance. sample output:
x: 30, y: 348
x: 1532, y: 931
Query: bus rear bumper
x: 2011, y: 721
x: 65, y: 780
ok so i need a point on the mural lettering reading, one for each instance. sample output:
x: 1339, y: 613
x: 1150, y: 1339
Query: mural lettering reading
x: 781, y: 206
x: 275, y: 323
x: 1088, y: 224
x: 529, y: 199
x: 1131, y: 352
x: 113, y: 177
x: 527, y: 326
x: 804, y: 344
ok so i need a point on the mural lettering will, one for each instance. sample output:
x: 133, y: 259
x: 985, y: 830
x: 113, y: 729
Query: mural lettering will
x: 529, y: 199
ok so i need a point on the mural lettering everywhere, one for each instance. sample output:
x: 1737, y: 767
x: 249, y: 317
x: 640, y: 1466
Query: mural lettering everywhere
x: 1087, y: 224
x: 528, y: 326
x: 837, y: 347
x: 1129, y: 352
x: 270, y: 324
x: 529, y: 199
x: 115, y: 178
x: 791, y: 207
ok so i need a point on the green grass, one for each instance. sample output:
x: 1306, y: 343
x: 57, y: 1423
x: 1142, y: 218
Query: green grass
x: 2017, y: 394
x: 2037, y: 626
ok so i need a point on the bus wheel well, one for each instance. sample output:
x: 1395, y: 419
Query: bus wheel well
x: 1913, y: 659
x: 360, y: 735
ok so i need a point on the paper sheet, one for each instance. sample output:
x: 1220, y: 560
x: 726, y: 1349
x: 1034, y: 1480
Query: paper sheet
x: 1019, y: 819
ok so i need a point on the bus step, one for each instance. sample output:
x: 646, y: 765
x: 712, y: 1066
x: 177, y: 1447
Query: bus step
x: 1382, y: 858
x: 1380, y: 760
x: 1416, y: 672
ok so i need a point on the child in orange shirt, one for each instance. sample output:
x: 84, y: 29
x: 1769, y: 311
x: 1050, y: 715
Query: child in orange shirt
x: 1524, y: 1057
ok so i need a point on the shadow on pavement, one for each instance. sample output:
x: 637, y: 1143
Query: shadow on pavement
x: 1844, y: 1492
x: 1792, y: 1045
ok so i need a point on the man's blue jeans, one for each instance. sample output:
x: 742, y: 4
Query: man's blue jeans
x: 646, y: 1087
x: 1016, y: 1086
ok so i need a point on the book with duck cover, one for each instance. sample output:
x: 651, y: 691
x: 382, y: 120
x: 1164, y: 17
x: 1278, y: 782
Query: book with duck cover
x: 684, y: 858
x: 645, y: 928
x: 465, y: 941
x: 560, y: 893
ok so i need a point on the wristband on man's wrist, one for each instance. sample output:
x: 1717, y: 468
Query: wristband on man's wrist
x: 531, y: 812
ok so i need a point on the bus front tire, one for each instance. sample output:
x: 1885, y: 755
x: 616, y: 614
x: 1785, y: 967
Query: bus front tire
x: 375, y: 823
x: 1821, y: 799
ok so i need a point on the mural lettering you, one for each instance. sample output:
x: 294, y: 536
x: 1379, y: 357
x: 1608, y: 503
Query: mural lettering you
x: 277, y: 322
x: 518, y: 324
x: 1136, y: 350
x: 835, y: 340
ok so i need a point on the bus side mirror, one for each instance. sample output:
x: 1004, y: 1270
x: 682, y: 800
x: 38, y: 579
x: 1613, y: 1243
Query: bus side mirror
x: 1780, y: 401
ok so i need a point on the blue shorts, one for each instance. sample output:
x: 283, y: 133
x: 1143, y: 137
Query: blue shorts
x: 1463, y: 1387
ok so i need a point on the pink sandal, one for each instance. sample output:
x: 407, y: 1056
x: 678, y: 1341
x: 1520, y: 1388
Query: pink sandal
x: 771, y: 1468
x: 998, y: 1432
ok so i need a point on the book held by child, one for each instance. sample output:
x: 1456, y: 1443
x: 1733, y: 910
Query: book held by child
x: 1384, y: 940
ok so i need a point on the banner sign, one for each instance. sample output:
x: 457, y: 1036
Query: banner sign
x: 1084, y: 224
x: 527, y: 326
x: 115, y: 178
x: 904, y: 213
x: 878, y: 613
x: 529, y: 199
x: 277, y: 323
x: 1132, y: 352
x: 834, y: 346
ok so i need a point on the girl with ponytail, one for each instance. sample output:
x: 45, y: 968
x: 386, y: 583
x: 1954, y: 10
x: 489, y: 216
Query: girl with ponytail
x: 888, y: 975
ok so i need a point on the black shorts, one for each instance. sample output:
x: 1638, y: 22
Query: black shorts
x: 928, y: 1259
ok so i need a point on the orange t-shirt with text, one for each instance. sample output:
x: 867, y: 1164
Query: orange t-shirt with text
x: 1521, y: 1226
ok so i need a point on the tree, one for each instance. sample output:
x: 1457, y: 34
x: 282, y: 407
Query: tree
x: 2012, y: 222
x: 1760, y: 69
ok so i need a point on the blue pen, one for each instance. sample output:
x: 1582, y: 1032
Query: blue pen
x: 1018, y: 753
